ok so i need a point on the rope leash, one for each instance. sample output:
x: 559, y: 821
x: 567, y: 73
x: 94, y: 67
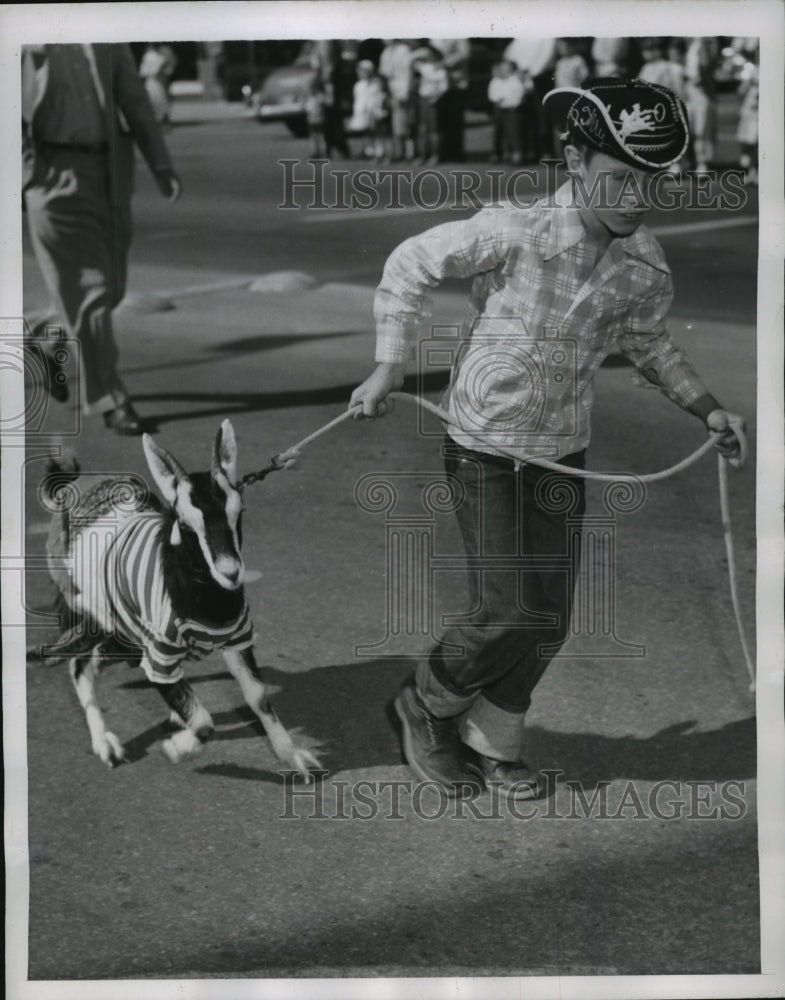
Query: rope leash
x: 288, y: 459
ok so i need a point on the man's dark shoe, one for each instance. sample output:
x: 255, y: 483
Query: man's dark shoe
x: 513, y: 779
x: 124, y: 419
x: 432, y: 747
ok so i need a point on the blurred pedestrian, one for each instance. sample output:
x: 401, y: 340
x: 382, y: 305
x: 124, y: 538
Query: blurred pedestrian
x: 327, y: 61
x: 657, y: 69
x: 567, y: 263
x: 677, y: 55
x: 747, y: 131
x: 505, y: 93
x: 432, y: 82
x: 156, y: 69
x: 700, y: 63
x: 570, y: 69
x: 369, y: 109
x: 316, y: 104
x: 455, y: 54
x: 78, y: 164
x: 395, y: 66
x: 610, y: 56
x: 529, y: 117
x: 536, y: 57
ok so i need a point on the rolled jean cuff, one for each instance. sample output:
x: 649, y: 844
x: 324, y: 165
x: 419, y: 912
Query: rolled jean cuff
x: 493, y: 732
x: 438, y: 699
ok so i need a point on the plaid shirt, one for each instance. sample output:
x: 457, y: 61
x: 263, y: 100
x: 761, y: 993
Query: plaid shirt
x: 544, y: 316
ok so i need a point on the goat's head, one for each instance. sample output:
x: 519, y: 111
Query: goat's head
x: 206, y: 504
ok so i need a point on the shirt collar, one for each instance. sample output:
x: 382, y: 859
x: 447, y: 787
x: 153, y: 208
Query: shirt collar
x: 567, y: 230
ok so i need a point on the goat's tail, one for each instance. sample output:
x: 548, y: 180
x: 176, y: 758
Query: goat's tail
x: 73, y: 640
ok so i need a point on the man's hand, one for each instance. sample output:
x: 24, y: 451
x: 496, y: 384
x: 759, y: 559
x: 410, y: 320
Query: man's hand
x: 169, y: 184
x: 373, y: 392
x: 733, y: 443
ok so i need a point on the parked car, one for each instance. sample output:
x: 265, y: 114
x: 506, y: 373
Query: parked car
x: 282, y: 95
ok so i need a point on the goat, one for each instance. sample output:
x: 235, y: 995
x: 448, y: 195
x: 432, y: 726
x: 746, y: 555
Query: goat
x: 156, y: 584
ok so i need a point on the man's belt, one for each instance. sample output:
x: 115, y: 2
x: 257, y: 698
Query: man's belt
x: 77, y: 147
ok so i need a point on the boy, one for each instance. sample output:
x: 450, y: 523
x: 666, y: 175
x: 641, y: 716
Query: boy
x: 585, y: 272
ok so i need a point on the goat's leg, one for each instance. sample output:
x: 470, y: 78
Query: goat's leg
x: 245, y: 670
x: 187, y: 711
x: 84, y: 670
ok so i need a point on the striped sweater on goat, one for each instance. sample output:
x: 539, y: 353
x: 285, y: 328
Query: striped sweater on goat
x: 141, y: 608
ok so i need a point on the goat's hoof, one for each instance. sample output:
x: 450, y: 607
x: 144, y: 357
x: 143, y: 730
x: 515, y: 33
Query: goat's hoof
x: 304, y: 762
x: 109, y: 749
x: 181, y: 746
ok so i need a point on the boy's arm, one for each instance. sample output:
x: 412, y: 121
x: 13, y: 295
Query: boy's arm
x: 647, y: 343
x: 453, y: 250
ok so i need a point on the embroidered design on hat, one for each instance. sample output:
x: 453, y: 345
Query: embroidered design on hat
x: 652, y: 136
x: 632, y: 122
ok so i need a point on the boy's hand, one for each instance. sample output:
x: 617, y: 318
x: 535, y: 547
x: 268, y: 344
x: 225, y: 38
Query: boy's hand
x: 733, y: 443
x: 373, y: 392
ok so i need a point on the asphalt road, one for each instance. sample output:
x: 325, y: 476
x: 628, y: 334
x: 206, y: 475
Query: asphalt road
x: 214, y: 868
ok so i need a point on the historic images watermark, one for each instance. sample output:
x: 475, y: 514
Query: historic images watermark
x: 665, y: 800
x: 47, y: 359
x: 318, y: 185
x: 39, y: 363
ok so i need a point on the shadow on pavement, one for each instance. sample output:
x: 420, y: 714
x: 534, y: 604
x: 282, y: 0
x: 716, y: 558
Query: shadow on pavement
x: 250, y: 402
x: 345, y: 710
x: 243, y: 345
x: 676, y: 752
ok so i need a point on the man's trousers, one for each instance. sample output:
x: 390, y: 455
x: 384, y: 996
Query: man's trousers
x: 81, y: 241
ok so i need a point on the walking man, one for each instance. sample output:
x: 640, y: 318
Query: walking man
x: 83, y: 108
x: 579, y: 270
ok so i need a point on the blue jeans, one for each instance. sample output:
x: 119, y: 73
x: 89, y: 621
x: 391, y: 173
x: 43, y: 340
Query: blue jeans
x: 520, y: 615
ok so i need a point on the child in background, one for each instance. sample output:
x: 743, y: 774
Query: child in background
x: 659, y: 70
x: 571, y: 69
x: 505, y: 92
x: 369, y: 109
x: 747, y: 133
x: 395, y: 66
x: 432, y: 82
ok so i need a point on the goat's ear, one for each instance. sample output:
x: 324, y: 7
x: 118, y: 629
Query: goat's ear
x: 166, y: 470
x: 225, y: 452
